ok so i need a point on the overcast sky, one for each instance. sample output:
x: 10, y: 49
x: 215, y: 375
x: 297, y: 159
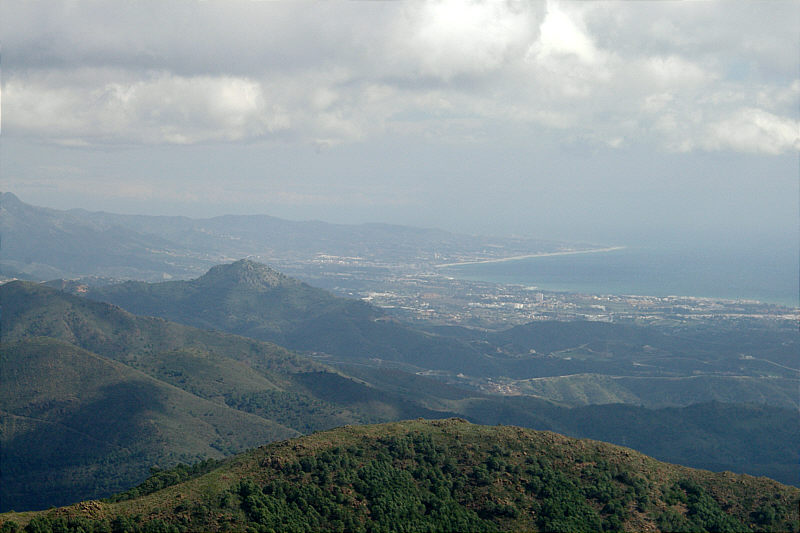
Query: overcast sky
x: 586, y: 121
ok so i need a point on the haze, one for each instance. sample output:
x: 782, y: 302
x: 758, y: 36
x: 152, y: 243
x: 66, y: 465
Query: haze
x: 604, y: 122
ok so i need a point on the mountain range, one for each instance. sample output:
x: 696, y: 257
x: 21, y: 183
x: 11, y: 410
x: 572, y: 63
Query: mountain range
x: 565, y: 361
x: 41, y: 243
x: 94, y: 396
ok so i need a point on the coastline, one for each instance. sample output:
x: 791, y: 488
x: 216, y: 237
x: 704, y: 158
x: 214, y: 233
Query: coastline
x: 734, y: 275
x: 529, y: 256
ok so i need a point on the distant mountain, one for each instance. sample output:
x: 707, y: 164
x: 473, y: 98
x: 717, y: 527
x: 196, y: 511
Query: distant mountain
x: 576, y: 363
x: 47, y: 243
x: 445, y: 475
x: 41, y: 243
x: 251, y: 299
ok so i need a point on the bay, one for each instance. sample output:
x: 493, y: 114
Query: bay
x: 765, y: 273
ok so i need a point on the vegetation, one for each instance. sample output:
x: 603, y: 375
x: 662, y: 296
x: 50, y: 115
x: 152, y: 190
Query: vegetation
x: 93, y: 397
x: 160, y: 479
x: 444, y: 475
x: 77, y: 425
x: 251, y: 299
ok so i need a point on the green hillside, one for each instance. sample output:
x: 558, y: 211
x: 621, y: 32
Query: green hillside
x: 229, y: 369
x: 76, y: 424
x: 445, y: 475
x: 664, y: 391
x: 251, y: 299
x: 575, y: 363
x: 93, y: 396
x: 241, y: 377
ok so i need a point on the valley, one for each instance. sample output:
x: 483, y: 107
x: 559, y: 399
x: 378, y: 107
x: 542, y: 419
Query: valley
x: 376, y: 267
x: 107, y: 380
x: 349, y: 364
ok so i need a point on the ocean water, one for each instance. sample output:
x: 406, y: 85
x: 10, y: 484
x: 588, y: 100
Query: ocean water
x: 765, y: 273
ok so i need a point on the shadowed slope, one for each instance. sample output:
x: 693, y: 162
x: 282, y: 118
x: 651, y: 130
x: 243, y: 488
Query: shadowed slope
x: 251, y: 299
x: 76, y: 425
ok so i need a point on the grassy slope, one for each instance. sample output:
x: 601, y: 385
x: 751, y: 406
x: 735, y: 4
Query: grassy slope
x: 76, y: 424
x: 451, y: 475
x: 589, y: 389
x: 183, y: 394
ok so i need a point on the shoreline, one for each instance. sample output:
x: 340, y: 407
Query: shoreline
x: 529, y: 256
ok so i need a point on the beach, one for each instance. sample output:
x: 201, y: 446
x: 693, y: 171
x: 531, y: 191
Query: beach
x: 530, y: 256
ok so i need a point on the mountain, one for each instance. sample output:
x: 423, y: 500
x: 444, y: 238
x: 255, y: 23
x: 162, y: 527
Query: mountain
x: 576, y: 362
x: 93, y: 396
x: 621, y: 363
x: 178, y: 377
x: 48, y: 243
x: 41, y: 243
x: 251, y: 299
x: 76, y: 425
x: 443, y: 475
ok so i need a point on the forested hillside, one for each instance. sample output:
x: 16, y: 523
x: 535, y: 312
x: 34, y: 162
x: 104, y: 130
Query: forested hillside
x: 93, y: 396
x: 445, y: 475
x: 113, y: 393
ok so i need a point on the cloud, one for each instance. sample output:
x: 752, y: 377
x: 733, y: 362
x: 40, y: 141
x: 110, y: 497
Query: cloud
x: 450, y: 38
x: 163, y: 108
x: 671, y: 76
x: 754, y: 130
x: 563, y: 35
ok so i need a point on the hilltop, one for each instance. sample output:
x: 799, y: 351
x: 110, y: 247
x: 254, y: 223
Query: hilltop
x: 251, y: 299
x: 445, y: 475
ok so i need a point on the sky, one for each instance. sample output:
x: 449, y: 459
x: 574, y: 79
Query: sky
x: 610, y: 122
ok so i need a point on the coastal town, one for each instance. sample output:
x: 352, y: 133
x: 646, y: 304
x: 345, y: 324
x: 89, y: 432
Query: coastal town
x: 424, y: 293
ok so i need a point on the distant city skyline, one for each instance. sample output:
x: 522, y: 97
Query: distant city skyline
x: 605, y: 122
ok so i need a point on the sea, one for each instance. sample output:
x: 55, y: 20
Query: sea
x: 765, y: 274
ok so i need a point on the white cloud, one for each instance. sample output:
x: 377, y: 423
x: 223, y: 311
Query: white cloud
x: 563, y: 35
x: 711, y: 76
x: 671, y: 71
x: 449, y: 38
x: 754, y: 130
x: 163, y: 108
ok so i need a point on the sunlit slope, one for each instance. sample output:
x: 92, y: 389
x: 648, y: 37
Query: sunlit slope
x: 651, y: 391
x: 445, y: 475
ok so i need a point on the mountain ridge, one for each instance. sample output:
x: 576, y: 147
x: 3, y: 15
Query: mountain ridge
x: 43, y: 243
x: 248, y: 379
x: 301, y: 317
x: 297, y: 392
x: 446, y: 475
